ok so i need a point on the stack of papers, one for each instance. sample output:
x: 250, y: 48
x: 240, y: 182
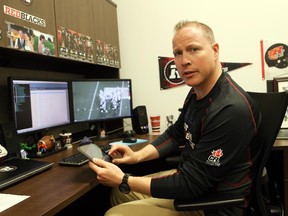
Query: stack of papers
x: 8, y: 200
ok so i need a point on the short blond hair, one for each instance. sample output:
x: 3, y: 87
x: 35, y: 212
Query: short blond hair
x: 205, y: 28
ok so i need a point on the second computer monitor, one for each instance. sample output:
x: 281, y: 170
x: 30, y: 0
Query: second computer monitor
x: 101, y: 100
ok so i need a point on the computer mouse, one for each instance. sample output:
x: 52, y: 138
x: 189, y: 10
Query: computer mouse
x: 129, y: 140
x: 128, y: 133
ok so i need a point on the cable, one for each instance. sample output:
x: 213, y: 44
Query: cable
x: 109, y: 132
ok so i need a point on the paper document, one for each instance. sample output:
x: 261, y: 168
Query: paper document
x: 8, y: 200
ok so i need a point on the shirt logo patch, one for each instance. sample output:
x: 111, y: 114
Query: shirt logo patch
x: 214, y: 158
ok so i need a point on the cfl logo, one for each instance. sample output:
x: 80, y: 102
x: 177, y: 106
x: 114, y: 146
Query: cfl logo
x: 27, y: 2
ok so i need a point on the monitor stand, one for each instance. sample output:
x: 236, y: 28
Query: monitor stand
x: 99, y: 130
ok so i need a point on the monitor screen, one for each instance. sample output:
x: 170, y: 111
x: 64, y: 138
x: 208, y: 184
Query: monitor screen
x: 100, y: 100
x: 39, y: 104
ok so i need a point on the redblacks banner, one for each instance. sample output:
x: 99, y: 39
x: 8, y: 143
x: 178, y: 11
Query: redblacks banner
x: 229, y: 66
x: 169, y: 76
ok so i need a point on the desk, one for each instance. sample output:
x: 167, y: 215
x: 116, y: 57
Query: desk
x: 282, y: 145
x: 55, y: 189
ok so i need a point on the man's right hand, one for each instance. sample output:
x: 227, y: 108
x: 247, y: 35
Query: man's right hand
x: 122, y: 154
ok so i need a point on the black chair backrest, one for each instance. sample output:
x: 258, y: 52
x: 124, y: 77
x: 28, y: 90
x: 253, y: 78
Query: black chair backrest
x: 273, y: 107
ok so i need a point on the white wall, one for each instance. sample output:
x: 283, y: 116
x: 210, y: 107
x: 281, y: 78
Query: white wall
x: 146, y: 30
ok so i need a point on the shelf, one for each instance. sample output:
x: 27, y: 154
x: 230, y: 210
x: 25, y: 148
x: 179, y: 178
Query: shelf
x: 11, y: 58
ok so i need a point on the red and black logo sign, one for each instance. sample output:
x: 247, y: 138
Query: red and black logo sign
x: 169, y: 76
x: 277, y: 55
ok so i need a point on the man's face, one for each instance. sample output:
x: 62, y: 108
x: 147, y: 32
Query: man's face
x: 21, y: 34
x: 195, y: 56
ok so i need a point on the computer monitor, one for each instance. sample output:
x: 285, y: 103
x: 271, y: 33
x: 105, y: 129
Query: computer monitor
x: 101, y: 100
x: 39, y: 104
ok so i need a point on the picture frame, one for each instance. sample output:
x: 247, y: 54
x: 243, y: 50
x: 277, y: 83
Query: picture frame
x: 280, y: 84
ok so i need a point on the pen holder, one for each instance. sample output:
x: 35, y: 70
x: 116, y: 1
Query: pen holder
x: 66, y: 139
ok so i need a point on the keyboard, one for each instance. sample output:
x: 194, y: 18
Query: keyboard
x: 77, y: 159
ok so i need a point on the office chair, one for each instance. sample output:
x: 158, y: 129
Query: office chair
x: 273, y: 107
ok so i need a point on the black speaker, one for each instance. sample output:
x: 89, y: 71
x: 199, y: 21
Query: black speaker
x: 140, y: 120
x: 270, y: 85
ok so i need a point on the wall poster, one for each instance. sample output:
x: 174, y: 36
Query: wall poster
x: 28, y: 26
x: 74, y: 45
x: 28, y: 39
x: 106, y: 54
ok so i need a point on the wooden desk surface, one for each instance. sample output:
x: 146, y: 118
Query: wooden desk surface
x: 54, y: 189
x: 280, y: 144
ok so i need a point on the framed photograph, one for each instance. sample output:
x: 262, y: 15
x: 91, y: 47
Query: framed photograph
x: 281, y: 84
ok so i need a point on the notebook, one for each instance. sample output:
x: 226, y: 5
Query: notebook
x: 15, y: 170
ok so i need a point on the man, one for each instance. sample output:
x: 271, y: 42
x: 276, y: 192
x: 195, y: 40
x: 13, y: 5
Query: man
x: 20, y: 41
x: 217, y: 125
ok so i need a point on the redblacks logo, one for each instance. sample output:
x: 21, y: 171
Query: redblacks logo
x: 27, y: 2
x: 171, y: 74
x: 24, y: 16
